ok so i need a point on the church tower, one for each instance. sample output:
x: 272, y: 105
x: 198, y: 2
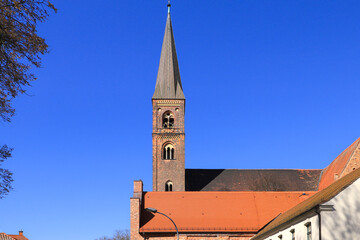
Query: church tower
x: 168, y: 133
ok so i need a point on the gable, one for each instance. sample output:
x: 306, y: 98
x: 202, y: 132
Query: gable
x: 320, y: 197
x: 346, y: 162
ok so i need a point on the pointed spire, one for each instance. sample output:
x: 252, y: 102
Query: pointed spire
x: 168, y: 82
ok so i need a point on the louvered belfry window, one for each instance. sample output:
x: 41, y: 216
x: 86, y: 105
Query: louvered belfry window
x: 168, y: 120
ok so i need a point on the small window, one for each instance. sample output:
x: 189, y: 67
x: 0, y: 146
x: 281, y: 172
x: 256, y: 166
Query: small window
x: 168, y: 186
x: 292, y: 231
x: 168, y: 120
x: 280, y: 237
x: 169, y: 152
x: 308, y: 231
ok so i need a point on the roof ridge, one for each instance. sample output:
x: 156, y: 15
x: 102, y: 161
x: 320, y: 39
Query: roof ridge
x: 338, y: 165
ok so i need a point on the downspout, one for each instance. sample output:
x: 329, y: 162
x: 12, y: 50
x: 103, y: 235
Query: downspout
x: 318, y: 211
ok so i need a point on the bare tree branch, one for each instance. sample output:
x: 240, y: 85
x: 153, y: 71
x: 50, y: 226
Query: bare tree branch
x: 20, y: 49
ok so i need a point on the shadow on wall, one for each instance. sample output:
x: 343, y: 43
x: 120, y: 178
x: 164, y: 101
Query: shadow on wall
x: 145, y: 217
x: 251, y: 180
x: 346, y: 217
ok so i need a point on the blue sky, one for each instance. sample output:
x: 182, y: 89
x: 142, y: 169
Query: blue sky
x: 269, y: 84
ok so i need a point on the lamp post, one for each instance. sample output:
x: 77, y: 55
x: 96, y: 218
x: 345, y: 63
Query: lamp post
x: 153, y: 210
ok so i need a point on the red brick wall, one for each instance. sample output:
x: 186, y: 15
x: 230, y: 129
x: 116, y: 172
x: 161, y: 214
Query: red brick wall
x: 135, y: 219
x: 354, y: 162
x: 135, y: 207
x: 168, y: 170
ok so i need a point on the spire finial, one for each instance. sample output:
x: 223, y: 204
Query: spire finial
x: 169, y: 5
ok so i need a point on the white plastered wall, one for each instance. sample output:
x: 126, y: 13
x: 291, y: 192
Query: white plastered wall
x: 341, y: 223
x: 300, y: 229
x: 344, y: 221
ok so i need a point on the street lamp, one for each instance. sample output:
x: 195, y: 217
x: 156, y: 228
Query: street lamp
x: 153, y: 210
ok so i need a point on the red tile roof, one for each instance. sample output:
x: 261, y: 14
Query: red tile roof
x: 19, y: 237
x: 337, y: 166
x: 319, y: 198
x: 4, y: 236
x: 215, y: 211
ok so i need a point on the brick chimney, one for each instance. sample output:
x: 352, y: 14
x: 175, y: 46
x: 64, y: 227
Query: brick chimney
x: 21, y: 233
x: 135, y: 210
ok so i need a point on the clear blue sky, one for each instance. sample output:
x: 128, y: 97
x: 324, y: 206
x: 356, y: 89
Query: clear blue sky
x: 269, y: 84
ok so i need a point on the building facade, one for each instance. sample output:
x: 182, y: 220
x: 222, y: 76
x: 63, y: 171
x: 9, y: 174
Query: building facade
x: 232, y: 204
x: 168, y: 135
x: 331, y: 214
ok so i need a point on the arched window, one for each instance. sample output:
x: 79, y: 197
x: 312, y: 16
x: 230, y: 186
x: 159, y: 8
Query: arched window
x: 168, y: 186
x: 169, y: 152
x: 168, y: 120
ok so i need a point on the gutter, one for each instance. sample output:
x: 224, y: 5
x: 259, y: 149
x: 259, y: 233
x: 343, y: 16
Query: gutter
x: 318, y: 211
x: 321, y: 208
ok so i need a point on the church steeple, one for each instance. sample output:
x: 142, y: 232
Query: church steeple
x: 168, y: 82
x: 168, y: 132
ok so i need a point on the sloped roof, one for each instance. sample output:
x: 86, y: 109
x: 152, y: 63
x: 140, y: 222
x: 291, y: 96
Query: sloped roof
x: 251, y: 179
x: 168, y: 82
x: 19, y: 237
x: 319, y: 198
x: 338, y: 166
x: 4, y: 236
x: 215, y: 211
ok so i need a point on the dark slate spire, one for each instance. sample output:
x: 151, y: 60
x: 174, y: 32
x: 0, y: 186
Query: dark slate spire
x: 168, y: 82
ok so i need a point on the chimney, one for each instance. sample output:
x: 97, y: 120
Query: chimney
x: 138, y: 186
x: 21, y: 232
x: 138, y: 189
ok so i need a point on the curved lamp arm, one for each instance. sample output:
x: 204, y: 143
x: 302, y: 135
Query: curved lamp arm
x: 153, y: 210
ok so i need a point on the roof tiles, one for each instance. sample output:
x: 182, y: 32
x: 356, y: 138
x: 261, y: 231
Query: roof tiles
x: 215, y: 211
x: 251, y: 179
x: 4, y: 236
x: 319, y: 198
x: 19, y: 237
x: 332, y: 172
x: 168, y: 82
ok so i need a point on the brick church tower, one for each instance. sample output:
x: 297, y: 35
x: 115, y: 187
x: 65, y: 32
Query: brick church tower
x: 168, y: 133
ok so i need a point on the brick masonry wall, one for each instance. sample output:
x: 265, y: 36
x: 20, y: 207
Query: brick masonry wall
x: 135, y: 208
x: 168, y: 170
x: 354, y: 162
x: 135, y: 219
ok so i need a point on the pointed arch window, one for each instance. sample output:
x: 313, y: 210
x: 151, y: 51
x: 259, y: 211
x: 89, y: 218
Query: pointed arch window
x: 169, y: 152
x: 168, y: 186
x: 168, y: 120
